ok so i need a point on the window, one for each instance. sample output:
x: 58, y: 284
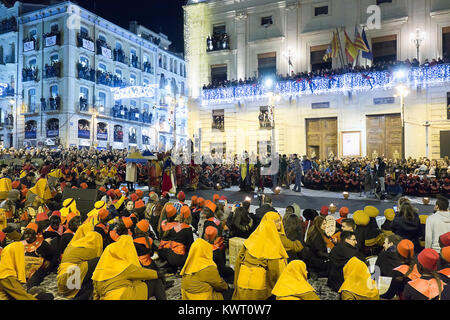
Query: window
x: 54, y: 27
x: 119, y: 73
x: 118, y: 46
x: 54, y: 91
x: 102, y: 37
x: 133, y: 103
x: 219, y: 148
x: 218, y: 73
x: 102, y: 67
x: 146, y: 82
x: 175, y: 66
x: 446, y: 43
x: 267, y: 64
x: 33, y: 34
x: 32, y: 62
x: 218, y: 122
x: 133, y: 53
x: 384, y: 48
x: 102, y: 99
x: 84, y: 93
x: 318, y: 11
x: 118, y: 133
x: 31, y: 100
x: 133, y: 80
x: 219, y: 29
x: 165, y: 62
x: 54, y: 58
x: 84, y: 31
x: 316, y: 55
x: 84, y: 61
x: 266, y: 21
x: 171, y: 64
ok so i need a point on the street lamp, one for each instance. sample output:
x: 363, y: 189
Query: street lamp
x: 417, y: 38
x: 402, y: 92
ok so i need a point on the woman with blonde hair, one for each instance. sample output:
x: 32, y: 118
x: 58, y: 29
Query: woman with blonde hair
x: 293, y: 283
x: 200, y: 276
x: 262, y: 259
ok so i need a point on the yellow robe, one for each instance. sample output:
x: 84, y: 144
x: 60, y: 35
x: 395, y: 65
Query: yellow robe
x: 201, y: 279
x: 12, y: 273
x: 358, y: 284
x: 77, y: 254
x: 260, y: 261
x: 119, y: 275
x: 293, y: 283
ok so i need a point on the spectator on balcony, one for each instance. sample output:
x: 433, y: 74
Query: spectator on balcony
x: 43, y: 104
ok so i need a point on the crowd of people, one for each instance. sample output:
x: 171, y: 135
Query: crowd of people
x: 379, y: 66
x: 218, y: 41
x: 126, y: 243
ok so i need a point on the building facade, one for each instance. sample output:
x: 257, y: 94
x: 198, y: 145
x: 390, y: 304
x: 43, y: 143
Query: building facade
x: 347, y: 115
x: 84, y: 81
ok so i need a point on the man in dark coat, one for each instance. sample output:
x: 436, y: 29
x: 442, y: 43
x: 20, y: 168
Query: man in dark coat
x: 388, y: 259
x: 266, y: 207
x: 339, y: 256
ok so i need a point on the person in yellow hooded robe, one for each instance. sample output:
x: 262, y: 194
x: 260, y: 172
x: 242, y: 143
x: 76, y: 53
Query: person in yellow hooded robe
x: 42, y: 190
x: 358, y: 284
x: 293, y: 283
x: 119, y: 275
x: 92, y: 216
x: 200, y: 276
x: 69, y: 206
x: 5, y: 187
x: 12, y: 273
x: 80, y: 259
x: 262, y: 259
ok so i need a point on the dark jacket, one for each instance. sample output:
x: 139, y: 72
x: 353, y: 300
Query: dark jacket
x: 260, y: 212
x: 411, y: 293
x: 240, y: 225
x: 406, y: 229
x: 339, y: 256
x: 381, y: 169
x: 387, y: 261
x: 372, y: 230
x: 317, y: 256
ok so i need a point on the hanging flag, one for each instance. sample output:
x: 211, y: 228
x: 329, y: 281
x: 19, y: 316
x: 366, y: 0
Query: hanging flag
x: 368, y: 54
x: 350, y: 49
x: 335, y: 47
x: 359, y: 42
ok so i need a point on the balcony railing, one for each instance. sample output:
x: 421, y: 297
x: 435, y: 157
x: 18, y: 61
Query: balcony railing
x: 218, y: 42
x: 30, y: 74
x: 8, y: 25
x: 85, y: 72
x: 134, y: 114
x: 30, y: 108
x: 53, y: 70
x: 135, y: 62
x: 52, y: 39
x: 119, y: 56
x: 109, y: 79
x: 84, y: 41
x: 51, y: 104
x: 30, y: 44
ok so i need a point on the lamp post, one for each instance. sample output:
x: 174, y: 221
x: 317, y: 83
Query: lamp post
x: 417, y: 38
x: 402, y: 92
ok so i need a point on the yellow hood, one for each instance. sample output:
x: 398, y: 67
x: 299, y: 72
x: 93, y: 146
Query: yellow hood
x: 12, y: 262
x: 293, y: 280
x: 200, y: 256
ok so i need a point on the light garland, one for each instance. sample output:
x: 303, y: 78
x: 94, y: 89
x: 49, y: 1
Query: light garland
x: 133, y: 92
x: 349, y: 82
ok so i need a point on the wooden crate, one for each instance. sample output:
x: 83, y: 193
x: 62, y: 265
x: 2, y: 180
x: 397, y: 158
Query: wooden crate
x: 235, y: 245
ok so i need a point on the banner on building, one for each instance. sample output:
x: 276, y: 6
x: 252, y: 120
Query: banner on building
x: 386, y: 100
x: 52, y: 133
x: 87, y: 44
x: 30, y: 134
x: 106, y: 53
x: 84, y: 134
x: 50, y: 41
x: 28, y: 46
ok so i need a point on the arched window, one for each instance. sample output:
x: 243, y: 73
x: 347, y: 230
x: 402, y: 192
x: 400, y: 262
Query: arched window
x: 118, y: 133
x: 84, y: 61
x: 32, y: 62
x: 119, y: 73
x: 84, y: 92
x: 102, y: 131
x: 30, y: 129
x: 118, y: 46
x: 102, y: 67
x: 31, y: 100
x: 33, y: 34
x: 54, y: 91
x: 54, y: 58
x: 102, y: 99
x: 102, y: 37
x: 162, y: 82
x: 84, y: 129
x: 132, y: 138
x: 133, y: 80
x: 52, y: 128
x: 84, y: 31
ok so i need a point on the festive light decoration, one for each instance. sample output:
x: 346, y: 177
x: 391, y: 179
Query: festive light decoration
x: 133, y: 92
x: 349, y: 82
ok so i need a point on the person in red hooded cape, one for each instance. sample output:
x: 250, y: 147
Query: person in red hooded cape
x: 167, y: 171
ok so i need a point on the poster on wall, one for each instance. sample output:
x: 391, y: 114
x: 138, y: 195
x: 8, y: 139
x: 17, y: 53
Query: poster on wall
x: 106, y: 53
x: 351, y: 144
x: 28, y: 46
x: 87, y: 44
x: 50, y: 41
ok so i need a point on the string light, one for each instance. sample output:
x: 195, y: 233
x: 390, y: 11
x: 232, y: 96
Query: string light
x: 133, y: 92
x: 342, y: 84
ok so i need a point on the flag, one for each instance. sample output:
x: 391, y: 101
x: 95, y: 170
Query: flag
x: 367, y: 55
x: 350, y: 49
x: 335, y: 45
x: 359, y: 42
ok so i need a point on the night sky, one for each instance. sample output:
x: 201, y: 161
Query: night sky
x: 164, y: 16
